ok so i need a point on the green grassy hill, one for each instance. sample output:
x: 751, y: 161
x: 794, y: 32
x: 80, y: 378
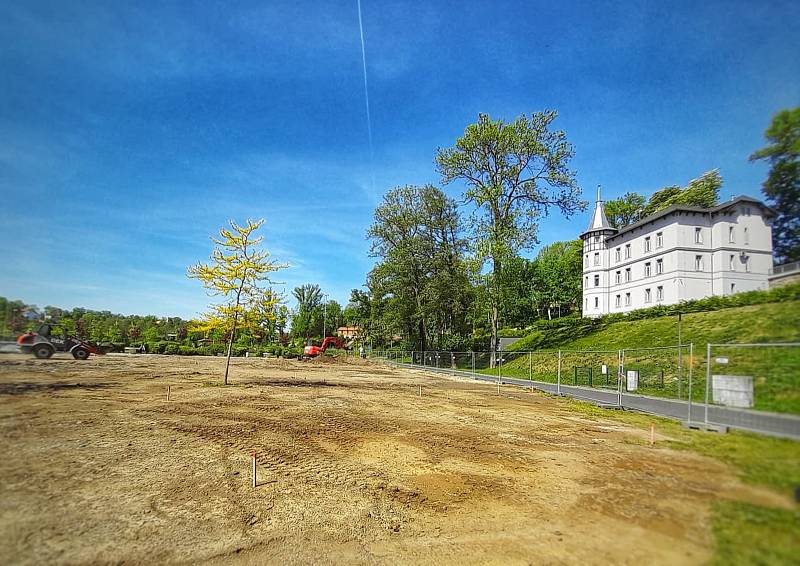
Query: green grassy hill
x: 775, y: 322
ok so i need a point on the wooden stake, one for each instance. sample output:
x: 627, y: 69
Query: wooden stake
x: 255, y: 480
x: 168, y: 391
x: 652, y: 434
x: 420, y: 391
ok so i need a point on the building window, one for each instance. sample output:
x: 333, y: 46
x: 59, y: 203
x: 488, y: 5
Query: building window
x: 596, y: 280
x: 596, y: 302
x: 618, y: 277
x: 618, y: 301
x: 732, y: 263
x: 618, y: 255
x: 731, y: 235
x: 733, y: 288
x: 586, y: 281
x: 596, y: 259
x: 586, y: 304
x: 627, y: 251
x: 698, y: 263
x: 596, y: 239
x: 746, y: 260
x: 659, y: 267
x: 660, y: 240
x: 698, y: 235
x: 627, y: 299
x: 647, y: 244
x: 627, y: 275
x: 647, y: 269
x: 659, y: 293
x: 747, y: 211
x: 647, y: 296
x: 746, y: 236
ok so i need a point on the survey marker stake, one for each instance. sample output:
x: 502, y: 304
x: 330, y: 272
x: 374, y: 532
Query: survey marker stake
x: 168, y: 388
x: 255, y: 480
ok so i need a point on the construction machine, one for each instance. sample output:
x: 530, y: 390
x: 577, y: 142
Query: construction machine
x: 312, y: 351
x: 43, y: 344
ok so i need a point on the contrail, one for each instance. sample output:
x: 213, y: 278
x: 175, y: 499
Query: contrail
x: 366, y: 90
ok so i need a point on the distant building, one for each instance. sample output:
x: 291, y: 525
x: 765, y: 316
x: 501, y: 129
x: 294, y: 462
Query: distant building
x: 348, y: 332
x: 678, y: 254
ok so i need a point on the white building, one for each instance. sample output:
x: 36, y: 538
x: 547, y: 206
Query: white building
x: 678, y: 254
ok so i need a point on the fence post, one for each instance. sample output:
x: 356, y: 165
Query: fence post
x: 499, y: 360
x: 708, y: 378
x: 530, y: 366
x: 691, y: 363
x: 680, y: 367
x: 437, y: 359
x: 621, y: 376
x: 473, y: 362
x: 558, y: 380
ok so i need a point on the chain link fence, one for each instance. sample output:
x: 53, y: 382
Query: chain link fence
x: 744, y: 383
x: 749, y: 386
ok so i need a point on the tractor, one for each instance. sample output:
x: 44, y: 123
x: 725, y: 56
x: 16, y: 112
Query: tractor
x: 312, y: 351
x: 43, y: 344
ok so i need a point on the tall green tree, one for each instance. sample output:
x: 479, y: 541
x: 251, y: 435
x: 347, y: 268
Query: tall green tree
x: 514, y: 173
x: 558, y: 269
x: 702, y: 192
x: 632, y: 207
x: 625, y: 210
x: 419, y: 285
x: 782, y: 186
x: 308, y: 296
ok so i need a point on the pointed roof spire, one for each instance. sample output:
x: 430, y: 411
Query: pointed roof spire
x: 599, y: 220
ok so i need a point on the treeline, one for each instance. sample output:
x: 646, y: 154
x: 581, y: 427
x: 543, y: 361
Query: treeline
x: 702, y: 192
x: 17, y: 317
x: 451, y: 273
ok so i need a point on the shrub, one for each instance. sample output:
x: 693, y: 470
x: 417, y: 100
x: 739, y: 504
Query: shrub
x: 292, y: 352
x: 171, y: 348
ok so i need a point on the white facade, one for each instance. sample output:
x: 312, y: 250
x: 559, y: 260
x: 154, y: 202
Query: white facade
x: 678, y: 254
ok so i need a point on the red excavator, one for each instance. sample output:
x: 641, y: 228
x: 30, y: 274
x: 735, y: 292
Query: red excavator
x: 43, y: 344
x: 312, y: 351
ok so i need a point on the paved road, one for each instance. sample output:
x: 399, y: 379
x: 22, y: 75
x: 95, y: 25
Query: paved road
x: 771, y: 424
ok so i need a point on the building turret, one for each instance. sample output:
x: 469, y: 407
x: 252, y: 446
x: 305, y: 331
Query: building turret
x: 596, y: 261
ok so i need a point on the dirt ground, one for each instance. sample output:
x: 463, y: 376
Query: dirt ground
x: 354, y: 465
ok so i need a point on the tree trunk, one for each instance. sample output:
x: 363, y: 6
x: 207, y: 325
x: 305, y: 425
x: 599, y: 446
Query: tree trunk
x: 495, y: 314
x: 230, y: 347
x: 495, y: 338
x: 233, y: 330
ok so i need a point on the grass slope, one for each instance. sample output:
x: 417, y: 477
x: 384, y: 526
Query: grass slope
x: 776, y: 371
x: 773, y: 322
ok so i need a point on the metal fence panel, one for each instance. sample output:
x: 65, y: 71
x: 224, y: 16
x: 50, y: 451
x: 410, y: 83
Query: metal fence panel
x: 761, y: 377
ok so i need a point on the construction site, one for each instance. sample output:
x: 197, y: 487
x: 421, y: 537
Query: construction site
x: 126, y: 458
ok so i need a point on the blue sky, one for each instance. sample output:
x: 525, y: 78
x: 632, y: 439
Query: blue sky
x: 132, y: 131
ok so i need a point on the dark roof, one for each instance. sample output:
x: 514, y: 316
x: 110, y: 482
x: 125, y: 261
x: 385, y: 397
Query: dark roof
x: 688, y: 208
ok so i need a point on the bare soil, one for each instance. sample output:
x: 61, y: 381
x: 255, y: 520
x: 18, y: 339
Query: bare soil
x: 354, y: 465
